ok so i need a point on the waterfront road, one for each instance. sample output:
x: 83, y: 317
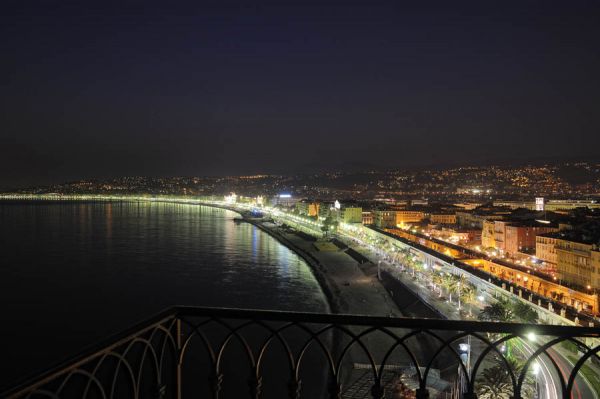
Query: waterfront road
x: 548, y: 378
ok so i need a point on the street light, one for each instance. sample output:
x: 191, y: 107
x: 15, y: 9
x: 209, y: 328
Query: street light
x: 464, y: 349
x: 536, y: 371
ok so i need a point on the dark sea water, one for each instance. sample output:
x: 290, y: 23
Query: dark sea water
x: 74, y: 273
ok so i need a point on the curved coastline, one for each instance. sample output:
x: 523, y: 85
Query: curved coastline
x: 347, y: 286
x: 332, y: 293
x: 334, y: 300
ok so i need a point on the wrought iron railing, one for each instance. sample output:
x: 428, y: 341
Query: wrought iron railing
x: 188, y: 352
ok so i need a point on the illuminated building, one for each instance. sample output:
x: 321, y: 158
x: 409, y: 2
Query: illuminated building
x: 475, y: 218
x: 550, y: 205
x: 583, y: 299
x: 326, y: 209
x: 367, y: 217
x: 351, y: 214
x: 516, y: 204
x: 231, y: 198
x: 285, y: 200
x: 469, y: 206
x: 545, y: 248
x: 539, y: 204
x: 521, y: 238
x: 308, y: 208
x: 443, y: 218
x: 488, y: 236
x: 554, y: 205
x: 473, y: 190
x: 513, y: 237
x: 384, y: 219
x: 407, y: 216
x: 578, y: 258
x: 456, y: 236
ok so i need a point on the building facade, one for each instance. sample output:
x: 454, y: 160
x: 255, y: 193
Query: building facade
x: 511, y: 237
x: 326, y: 209
x: 475, y: 218
x: 578, y: 263
x: 384, y: 219
x: 351, y: 214
x: 522, y: 238
x: 545, y: 249
x: 443, y: 218
x: 488, y: 239
x: 408, y: 216
x: 308, y: 208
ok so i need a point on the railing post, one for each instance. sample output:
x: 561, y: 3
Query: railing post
x: 335, y: 390
x: 422, y: 393
x: 161, y: 392
x: 255, y: 384
x: 294, y: 389
x: 178, y: 392
x: 377, y: 391
x: 216, y: 381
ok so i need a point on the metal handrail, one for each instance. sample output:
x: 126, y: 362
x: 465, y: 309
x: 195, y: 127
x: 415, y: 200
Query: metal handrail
x: 179, y: 324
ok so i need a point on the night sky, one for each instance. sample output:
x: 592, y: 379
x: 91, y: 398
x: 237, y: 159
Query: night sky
x: 91, y: 89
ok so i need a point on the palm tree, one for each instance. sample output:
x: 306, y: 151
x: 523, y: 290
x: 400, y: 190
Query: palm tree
x: 524, y: 312
x: 437, y: 281
x: 449, y: 283
x: 469, y: 296
x: 492, y: 384
x: 495, y: 382
x: 461, y: 284
x: 497, y: 311
x: 419, y: 267
x: 509, y: 311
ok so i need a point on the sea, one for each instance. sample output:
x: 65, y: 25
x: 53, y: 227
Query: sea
x: 74, y: 273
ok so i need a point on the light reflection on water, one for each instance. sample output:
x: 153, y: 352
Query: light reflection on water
x: 74, y: 273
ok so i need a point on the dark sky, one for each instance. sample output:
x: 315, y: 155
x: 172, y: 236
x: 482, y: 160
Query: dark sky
x: 91, y: 89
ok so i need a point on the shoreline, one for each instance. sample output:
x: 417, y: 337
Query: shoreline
x: 333, y: 298
x: 335, y: 271
x: 347, y: 287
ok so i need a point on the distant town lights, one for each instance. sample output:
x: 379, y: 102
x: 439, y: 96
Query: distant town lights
x: 231, y: 199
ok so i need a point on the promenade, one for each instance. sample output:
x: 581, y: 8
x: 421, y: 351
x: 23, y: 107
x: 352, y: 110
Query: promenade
x: 354, y: 292
x: 353, y: 288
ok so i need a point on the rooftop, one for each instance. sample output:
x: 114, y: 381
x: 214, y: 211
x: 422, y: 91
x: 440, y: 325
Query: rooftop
x: 586, y: 234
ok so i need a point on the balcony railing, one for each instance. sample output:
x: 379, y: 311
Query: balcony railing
x: 188, y: 352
